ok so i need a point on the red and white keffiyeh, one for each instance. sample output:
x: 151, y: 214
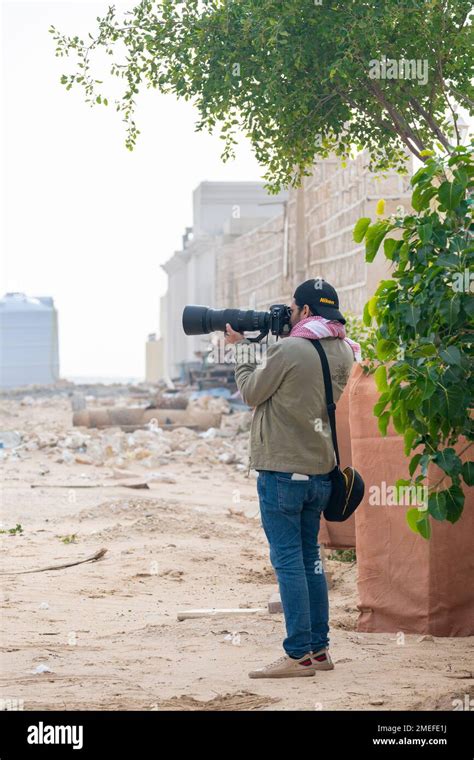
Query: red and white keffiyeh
x: 319, y: 327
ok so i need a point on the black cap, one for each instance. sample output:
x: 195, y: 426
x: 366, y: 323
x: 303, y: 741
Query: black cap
x: 321, y: 298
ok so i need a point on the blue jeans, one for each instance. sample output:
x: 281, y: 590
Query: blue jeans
x: 291, y: 513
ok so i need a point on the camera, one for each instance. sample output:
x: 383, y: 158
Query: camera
x: 199, y: 320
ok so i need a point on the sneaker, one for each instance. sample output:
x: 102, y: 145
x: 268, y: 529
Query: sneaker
x: 286, y: 667
x: 322, y: 660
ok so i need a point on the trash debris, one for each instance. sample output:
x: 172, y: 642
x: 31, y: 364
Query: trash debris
x: 124, y: 474
x: 42, y: 668
x: 78, y: 402
x: 28, y: 401
x: 234, y: 638
x: 169, y: 401
x: 9, y: 439
x: 227, y: 457
x: 211, y: 433
x: 162, y: 477
x: 222, y: 392
x: 83, y: 459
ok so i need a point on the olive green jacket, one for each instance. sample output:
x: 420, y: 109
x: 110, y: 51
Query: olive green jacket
x: 290, y: 429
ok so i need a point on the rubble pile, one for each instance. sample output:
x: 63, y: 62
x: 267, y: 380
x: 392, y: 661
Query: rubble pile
x: 149, y: 447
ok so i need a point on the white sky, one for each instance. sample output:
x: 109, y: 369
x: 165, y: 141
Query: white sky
x: 84, y: 220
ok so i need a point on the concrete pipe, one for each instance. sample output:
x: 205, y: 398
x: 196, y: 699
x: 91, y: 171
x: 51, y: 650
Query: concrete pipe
x: 200, y: 419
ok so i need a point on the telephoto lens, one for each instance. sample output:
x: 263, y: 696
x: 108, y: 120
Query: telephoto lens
x: 199, y: 320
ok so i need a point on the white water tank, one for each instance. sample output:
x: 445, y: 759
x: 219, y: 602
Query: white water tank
x: 28, y: 341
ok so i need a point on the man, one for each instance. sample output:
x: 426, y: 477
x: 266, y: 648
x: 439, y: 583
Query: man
x: 291, y: 448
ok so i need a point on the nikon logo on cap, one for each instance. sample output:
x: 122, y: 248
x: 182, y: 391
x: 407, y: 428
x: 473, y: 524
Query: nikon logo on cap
x: 326, y: 300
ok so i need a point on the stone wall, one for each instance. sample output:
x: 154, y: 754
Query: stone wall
x: 311, y: 238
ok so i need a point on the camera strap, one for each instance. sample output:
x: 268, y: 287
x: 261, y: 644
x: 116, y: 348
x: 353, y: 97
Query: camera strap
x: 331, y: 406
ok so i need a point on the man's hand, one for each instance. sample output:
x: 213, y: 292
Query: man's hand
x: 231, y: 336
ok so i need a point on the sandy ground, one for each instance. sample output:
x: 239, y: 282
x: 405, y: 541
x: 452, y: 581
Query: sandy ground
x: 108, y: 630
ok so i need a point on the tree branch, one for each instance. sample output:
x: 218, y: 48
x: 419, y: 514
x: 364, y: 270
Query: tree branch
x: 402, y: 128
x: 431, y: 123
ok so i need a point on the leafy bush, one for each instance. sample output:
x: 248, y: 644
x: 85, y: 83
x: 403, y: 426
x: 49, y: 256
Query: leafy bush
x: 424, y: 330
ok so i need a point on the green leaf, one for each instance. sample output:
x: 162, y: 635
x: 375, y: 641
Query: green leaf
x: 385, y: 285
x: 462, y: 176
x: 451, y: 355
x: 383, y: 422
x: 380, y: 376
x: 450, y: 310
x: 408, y: 437
x: 389, y: 247
x: 447, y: 259
x: 450, y: 194
x: 425, y: 350
x: 385, y: 349
x: 414, y: 464
x: 373, y: 237
x: 418, y: 521
x: 423, y: 525
x: 360, y: 229
x: 448, y: 461
x: 421, y: 197
x: 411, y: 313
x: 454, y: 503
x: 372, y: 306
x: 366, y: 318
x: 428, y: 388
x: 398, y: 423
x: 381, y: 404
x: 413, y: 516
x: 437, y: 505
x: 468, y: 473
x: 425, y: 232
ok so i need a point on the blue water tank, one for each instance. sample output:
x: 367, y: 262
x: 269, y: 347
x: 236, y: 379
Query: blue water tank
x: 28, y: 341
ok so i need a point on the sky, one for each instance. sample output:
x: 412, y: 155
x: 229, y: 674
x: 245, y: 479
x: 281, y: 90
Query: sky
x: 83, y: 219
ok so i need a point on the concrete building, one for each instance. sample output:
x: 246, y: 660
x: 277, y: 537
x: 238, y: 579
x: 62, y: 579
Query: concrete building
x: 222, y: 212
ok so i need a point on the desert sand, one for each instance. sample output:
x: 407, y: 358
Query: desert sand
x: 105, y: 633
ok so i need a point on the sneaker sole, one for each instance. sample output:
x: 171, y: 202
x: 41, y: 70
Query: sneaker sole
x: 324, y: 667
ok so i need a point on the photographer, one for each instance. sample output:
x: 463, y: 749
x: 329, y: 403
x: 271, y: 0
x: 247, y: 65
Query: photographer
x: 292, y: 450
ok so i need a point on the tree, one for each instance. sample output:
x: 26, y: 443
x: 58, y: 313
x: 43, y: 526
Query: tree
x: 300, y: 78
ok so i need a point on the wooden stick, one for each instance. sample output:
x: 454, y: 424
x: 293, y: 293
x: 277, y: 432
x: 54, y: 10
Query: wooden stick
x: 93, y: 558
x: 215, y: 612
x: 90, y: 485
